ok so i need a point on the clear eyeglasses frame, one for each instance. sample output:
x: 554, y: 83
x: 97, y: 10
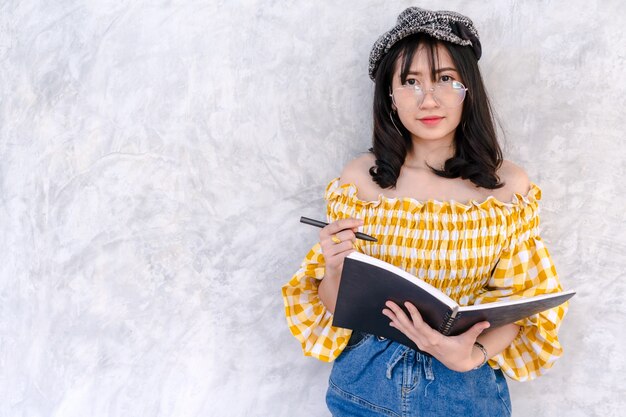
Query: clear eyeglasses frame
x: 448, y: 94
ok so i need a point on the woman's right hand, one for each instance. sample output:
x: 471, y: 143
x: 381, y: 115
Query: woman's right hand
x: 337, y: 240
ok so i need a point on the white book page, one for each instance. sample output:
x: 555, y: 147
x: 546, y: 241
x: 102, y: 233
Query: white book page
x: 524, y: 300
x: 358, y: 256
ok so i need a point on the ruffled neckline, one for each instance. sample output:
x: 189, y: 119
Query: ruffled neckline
x: 349, y: 192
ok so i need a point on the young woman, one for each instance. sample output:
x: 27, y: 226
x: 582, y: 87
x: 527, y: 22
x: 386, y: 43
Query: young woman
x: 443, y: 204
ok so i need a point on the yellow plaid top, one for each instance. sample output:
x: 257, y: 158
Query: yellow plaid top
x: 475, y: 253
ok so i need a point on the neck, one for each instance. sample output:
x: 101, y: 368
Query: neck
x: 425, y: 153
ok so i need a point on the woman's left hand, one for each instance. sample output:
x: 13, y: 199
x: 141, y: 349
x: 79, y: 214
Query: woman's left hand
x: 455, y: 352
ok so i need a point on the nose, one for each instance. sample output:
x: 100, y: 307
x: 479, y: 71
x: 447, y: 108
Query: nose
x: 429, y: 100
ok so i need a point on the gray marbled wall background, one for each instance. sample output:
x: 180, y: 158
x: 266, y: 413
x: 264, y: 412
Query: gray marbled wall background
x: 155, y: 158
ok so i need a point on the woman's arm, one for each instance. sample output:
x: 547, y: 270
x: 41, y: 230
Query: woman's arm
x: 495, y: 341
x: 328, y: 289
x: 337, y: 241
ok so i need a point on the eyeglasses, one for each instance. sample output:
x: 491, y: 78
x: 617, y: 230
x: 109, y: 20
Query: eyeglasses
x: 446, y: 94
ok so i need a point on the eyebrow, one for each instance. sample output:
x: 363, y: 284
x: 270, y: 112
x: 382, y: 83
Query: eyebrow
x: 437, y: 70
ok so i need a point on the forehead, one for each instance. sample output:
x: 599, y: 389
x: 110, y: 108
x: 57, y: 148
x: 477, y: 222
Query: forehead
x: 421, y: 60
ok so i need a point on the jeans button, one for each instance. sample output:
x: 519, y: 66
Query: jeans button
x: 381, y: 338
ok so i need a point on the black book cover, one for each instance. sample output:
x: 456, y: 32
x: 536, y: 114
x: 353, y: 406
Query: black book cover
x: 367, y: 283
x: 363, y: 291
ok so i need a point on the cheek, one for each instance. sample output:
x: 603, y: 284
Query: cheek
x: 405, y: 116
x: 456, y: 118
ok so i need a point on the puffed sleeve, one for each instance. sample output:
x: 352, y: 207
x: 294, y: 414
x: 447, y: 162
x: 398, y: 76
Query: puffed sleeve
x: 307, y: 317
x: 525, y: 269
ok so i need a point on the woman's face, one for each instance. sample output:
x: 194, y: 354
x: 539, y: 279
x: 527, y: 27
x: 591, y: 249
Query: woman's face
x: 428, y: 120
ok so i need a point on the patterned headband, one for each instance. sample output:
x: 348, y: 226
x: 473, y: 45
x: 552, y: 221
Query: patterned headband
x: 443, y: 25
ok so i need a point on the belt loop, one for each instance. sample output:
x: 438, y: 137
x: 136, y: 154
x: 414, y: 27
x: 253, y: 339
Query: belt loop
x: 395, y: 358
x: 428, y: 367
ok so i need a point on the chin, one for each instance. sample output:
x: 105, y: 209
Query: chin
x: 432, y: 136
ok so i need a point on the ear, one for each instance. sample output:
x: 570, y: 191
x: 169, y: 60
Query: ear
x: 393, y: 106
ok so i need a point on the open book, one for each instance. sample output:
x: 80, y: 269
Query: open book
x: 367, y: 283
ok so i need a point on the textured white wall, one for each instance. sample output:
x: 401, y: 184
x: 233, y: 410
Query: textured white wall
x: 155, y: 158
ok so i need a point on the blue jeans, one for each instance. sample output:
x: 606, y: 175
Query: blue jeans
x: 377, y: 377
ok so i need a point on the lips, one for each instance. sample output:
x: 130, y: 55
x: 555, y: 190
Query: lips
x: 431, y: 120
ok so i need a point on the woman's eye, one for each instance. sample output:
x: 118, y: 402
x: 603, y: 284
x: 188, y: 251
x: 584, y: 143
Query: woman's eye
x: 446, y: 78
x: 411, y: 82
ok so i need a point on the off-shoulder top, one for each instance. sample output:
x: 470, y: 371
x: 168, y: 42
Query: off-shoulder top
x: 477, y: 252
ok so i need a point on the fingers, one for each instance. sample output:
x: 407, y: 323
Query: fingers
x: 340, y: 225
x: 415, y: 320
x: 414, y: 327
x: 337, y: 241
x: 398, y: 316
x: 339, y: 249
x: 475, y: 331
x: 345, y: 235
x: 416, y: 317
x: 336, y: 235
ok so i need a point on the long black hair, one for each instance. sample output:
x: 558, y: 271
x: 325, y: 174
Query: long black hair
x: 477, y: 154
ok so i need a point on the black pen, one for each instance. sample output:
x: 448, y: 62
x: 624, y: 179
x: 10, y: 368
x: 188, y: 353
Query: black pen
x: 321, y: 224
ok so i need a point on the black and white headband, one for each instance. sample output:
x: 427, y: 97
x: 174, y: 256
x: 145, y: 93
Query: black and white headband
x: 443, y: 25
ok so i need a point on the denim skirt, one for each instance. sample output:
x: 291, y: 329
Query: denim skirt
x: 378, y: 377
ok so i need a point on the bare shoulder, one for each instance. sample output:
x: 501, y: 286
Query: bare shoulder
x: 515, y: 180
x: 357, y: 170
